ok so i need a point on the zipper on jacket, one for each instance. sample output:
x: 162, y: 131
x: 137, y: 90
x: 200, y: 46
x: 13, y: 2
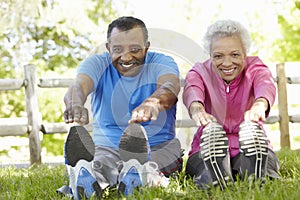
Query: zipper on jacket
x: 227, y: 88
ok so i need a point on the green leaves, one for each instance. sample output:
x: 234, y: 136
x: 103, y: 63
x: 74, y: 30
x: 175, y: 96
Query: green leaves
x: 53, y: 35
x: 286, y: 49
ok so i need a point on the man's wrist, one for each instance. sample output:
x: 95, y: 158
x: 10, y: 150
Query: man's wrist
x: 154, y: 102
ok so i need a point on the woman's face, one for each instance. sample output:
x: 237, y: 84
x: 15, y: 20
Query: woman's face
x: 227, y: 55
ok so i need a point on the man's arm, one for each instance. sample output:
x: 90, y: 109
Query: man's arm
x: 165, y: 96
x: 76, y: 97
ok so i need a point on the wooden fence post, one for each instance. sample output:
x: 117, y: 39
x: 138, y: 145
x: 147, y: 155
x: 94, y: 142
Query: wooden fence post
x: 283, y: 107
x: 32, y: 114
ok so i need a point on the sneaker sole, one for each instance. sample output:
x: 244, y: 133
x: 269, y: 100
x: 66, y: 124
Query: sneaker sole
x: 214, y: 149
x: 79, y: 145
x: 255, y: 147
x: 134, y: 144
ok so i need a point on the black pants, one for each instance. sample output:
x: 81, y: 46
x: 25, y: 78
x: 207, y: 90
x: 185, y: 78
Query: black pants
x: 195, y: 165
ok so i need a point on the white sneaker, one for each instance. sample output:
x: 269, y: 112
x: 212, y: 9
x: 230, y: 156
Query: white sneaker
x: 82, y: 181
x: 134, y: 174
x: 155, y: 177
x: 79, y: 153
x: 130, y: 177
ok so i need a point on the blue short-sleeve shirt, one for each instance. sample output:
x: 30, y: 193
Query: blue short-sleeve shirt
x: 115, y: 96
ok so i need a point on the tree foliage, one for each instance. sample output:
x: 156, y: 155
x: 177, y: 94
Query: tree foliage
x: 287, y: 47
x: 53, y: 35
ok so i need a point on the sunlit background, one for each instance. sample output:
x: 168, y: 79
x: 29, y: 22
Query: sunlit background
x: 57, y: 35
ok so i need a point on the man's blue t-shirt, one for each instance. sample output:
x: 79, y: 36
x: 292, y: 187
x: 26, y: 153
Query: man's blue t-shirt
x: 116, y: 96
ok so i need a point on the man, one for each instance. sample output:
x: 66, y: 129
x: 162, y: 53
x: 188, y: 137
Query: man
x: 133, y: 101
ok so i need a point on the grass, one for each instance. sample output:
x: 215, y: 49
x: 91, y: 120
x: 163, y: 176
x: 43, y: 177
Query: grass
x: 40, y: 182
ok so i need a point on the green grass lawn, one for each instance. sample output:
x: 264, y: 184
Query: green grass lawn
x: 40, y: 182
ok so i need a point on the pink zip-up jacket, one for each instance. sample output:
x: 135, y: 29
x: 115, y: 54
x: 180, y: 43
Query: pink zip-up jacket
x: 228, y: 102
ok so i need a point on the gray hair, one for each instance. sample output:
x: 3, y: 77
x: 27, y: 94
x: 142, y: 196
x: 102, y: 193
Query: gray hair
x: 226, y: 28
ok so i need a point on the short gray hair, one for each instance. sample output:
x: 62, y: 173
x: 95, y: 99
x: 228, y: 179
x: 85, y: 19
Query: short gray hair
x: 227, y: 28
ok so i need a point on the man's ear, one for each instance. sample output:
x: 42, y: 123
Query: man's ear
x: 107, y: 46
x: 147, y: 45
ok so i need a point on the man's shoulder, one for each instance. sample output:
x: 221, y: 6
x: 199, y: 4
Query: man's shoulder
x: 102, y: 60
x: 154, y: 57
x: 102, y: 56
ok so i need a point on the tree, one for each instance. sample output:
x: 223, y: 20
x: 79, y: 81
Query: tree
x: 53, y: 35
x: 287, y: 47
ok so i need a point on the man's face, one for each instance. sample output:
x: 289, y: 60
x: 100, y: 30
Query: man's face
x: 127, y: 50
x: 227, y: 56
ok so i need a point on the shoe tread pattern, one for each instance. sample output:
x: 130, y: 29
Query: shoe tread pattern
x: 79, y: 145
x: 214, y: 149
x: 254, y: 145
x: 134, y: 144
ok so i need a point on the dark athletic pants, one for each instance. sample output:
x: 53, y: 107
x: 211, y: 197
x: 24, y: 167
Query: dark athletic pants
x: 195, y: 165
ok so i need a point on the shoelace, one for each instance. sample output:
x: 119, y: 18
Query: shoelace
x: 149, y: 173
x: 155, y: 177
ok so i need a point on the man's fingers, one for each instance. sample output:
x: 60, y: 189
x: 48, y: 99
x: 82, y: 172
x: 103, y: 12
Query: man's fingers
x: 84, y: 119
x: 76, y: 114
x: 68, y: 116
x: 144, y: 114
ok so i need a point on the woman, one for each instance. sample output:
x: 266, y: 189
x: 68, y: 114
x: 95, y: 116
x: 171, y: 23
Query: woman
x: 229, y: 96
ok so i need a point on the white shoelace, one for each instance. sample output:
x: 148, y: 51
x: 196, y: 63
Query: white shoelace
x: 149, y: 173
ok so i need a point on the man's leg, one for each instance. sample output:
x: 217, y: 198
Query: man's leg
x: 79, y: 153
x: 134, y: 152
x: 105, y: 166
x: 168, y: 157
x: 139, y: 168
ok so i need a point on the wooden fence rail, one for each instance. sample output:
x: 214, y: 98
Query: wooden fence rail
x: 34, y: 125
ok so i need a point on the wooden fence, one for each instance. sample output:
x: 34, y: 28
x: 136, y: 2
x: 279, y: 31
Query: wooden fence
x: 35, y: 125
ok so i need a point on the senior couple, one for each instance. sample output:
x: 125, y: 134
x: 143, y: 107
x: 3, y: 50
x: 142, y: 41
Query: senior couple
x: 133, y: 100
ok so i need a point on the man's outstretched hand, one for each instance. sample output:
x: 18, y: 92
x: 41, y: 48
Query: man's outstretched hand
x: 76, y: 113
x: 148, y: 110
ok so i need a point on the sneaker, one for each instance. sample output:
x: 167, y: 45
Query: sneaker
x: 134, y: 174
x: 155, y: 177
x: 130, y: 177
x: 79, y: 153
x: 254, y: 149
x: 79, y: 145
x: 65, y: 190
x: 134, y: 151
x: 214, y: 151
x: 134, y: 144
